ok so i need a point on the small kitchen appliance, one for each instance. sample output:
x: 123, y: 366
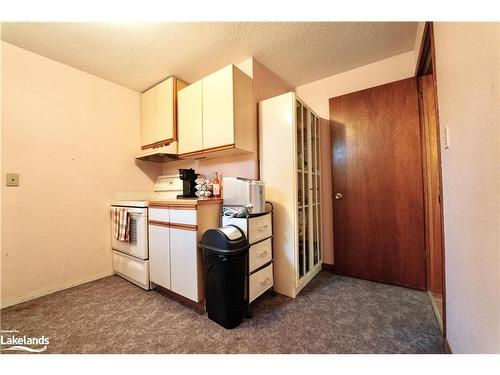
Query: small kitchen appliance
x: 239, y: 191
x: 188, y: 177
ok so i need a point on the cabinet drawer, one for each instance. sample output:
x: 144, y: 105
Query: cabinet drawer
x: 159, y: 214
x: 260, y: 282
x: 260, y: 254
x: 183, y: 216
x: 260, y: 227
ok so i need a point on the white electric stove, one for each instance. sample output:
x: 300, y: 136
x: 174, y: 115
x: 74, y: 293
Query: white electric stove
x: 131, y: 259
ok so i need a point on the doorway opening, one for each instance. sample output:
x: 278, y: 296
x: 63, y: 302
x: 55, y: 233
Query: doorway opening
x: 431, y: 168
x: 386, y: 171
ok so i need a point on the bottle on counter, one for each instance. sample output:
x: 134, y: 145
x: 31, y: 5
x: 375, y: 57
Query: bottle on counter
x: 216, y: 185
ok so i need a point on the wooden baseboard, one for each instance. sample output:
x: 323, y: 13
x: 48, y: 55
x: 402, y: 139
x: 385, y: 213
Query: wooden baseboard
x: 328, y: 267
x: 447, y: 347
x: 199, y: 307
x: 436, y: 309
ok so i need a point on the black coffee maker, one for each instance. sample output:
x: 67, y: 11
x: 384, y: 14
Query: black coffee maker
x: 188, y: 178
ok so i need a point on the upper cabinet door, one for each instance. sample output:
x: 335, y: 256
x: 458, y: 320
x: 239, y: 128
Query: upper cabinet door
x: 218, y: 109
x: 148, y: 115
x: 164, y: 127
x: 190, y: 118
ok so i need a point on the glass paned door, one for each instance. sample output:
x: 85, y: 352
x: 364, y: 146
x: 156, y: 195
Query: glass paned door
x: 314, y: 190
x: 318, y: 186
x: 308, y: 190
x: 300, y: 189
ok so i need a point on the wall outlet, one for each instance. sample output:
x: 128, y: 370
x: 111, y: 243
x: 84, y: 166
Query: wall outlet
x: 12, y: 179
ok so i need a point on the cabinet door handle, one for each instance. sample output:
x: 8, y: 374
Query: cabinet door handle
x: 262, y: 228
x: 264, y: 282
x: 263, y: 254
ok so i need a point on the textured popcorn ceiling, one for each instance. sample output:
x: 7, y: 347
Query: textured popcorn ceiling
x: 138, y: 55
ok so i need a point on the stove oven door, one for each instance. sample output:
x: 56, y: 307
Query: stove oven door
x: 138, y: 242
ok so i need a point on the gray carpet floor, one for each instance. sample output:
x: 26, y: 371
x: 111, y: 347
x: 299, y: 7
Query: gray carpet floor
x: 333, y: 314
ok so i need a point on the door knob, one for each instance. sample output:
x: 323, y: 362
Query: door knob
x: 338, y: 196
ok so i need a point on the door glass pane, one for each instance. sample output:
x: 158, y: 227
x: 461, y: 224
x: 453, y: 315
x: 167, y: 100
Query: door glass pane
x: 300, y: 188
x: 307, y: 166
x: 300, y: 131
x: 313, y: 143
x: 315, y: 235
x: 306, y: 145
x: 319, y: 229
x: 307, y: 254
x: 318, y: 189
x: 301, y: 242
x: 318, y: 162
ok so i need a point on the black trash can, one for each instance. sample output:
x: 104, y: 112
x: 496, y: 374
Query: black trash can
x: 225, y: 265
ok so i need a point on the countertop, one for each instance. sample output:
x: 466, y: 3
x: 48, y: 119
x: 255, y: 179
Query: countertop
x: 184, y: 203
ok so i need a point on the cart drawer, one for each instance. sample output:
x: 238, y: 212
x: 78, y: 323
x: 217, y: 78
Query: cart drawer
x: 260, y: 282
x: 256, y: 228
x: 260, y: 254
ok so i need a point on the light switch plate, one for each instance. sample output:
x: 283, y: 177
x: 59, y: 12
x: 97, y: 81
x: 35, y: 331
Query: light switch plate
x: 12, y: 179
x: 446, y: 137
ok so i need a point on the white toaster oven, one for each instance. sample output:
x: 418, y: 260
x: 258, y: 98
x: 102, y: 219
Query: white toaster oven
x: 239, y: 191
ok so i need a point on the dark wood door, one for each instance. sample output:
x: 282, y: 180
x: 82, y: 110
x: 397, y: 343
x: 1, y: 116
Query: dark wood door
x: 432, y: 184
x: 377, y: 167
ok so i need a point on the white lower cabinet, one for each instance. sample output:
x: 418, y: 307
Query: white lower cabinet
x: 174, y: 232
x: 159, y: 255
x: 185, y: 264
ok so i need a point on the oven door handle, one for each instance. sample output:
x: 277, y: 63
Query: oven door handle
x: 133, y: 212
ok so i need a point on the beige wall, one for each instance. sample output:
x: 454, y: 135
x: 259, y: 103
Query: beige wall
x: 316, y: 94
x: 468, y: 85
x: 72, y: 137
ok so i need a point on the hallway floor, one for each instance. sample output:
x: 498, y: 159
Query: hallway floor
x: 333, y: 314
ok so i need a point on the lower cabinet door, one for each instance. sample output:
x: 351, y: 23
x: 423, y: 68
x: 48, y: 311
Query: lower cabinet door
x: 159, y: 255
x: 185, y: 264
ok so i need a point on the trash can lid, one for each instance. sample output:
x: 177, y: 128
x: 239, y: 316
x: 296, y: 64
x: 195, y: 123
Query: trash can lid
x: 232, y: 232
x: 225, y: 240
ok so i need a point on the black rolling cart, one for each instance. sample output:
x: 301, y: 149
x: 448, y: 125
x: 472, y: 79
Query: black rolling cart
x: 258, y: 228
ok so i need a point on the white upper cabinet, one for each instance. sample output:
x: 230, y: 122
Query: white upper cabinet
x: 190, y: 119
x: 165, y: 110
x: 220, y: 110
x: 148, y: 117
x: 158, y: 113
